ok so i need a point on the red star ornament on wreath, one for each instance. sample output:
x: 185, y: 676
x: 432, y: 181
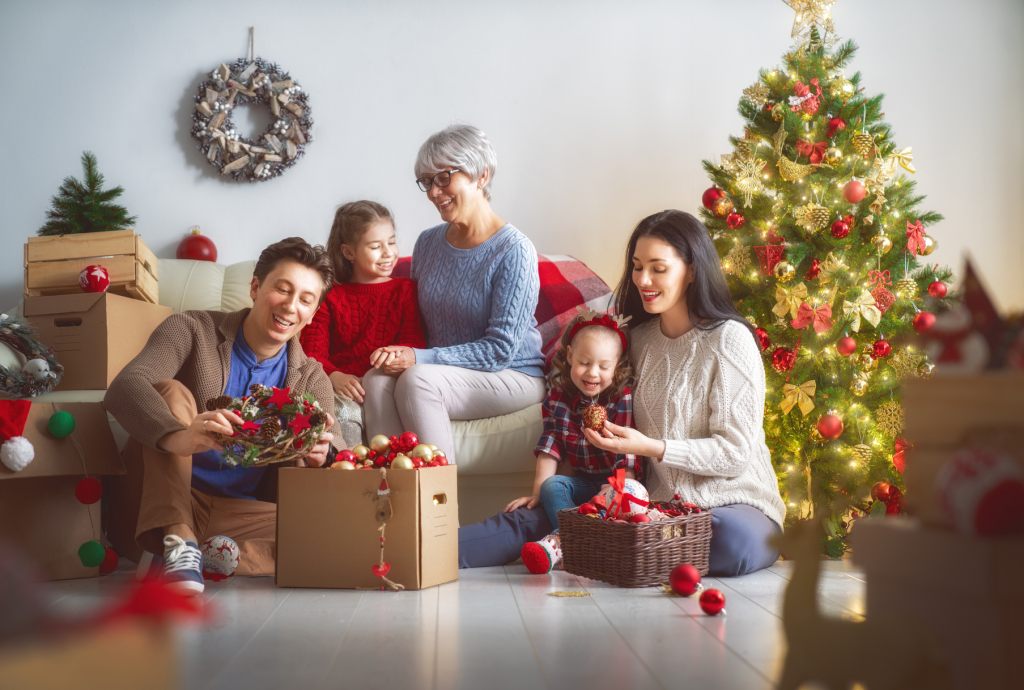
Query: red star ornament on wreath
x: 300, y: 423
x: 280, y: 397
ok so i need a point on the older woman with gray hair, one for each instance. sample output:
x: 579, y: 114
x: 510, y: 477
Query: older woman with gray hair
x: 478, y: 287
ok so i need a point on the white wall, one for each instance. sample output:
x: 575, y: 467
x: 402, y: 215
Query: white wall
x: 600, y: 111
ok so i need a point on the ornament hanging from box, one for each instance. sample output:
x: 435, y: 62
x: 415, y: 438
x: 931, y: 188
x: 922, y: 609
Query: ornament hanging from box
x: 253, y: 81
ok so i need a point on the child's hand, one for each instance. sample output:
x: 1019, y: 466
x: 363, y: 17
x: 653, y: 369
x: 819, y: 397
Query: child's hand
x: 348, y: 386
x: 523, y: 502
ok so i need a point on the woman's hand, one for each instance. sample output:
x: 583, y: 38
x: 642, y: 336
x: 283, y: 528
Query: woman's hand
x: 522, y: 502
x: 348, y: 386
x: 199, y: 435
x: 317, y: 455
x: 623, y: 439
x: 393, y: 359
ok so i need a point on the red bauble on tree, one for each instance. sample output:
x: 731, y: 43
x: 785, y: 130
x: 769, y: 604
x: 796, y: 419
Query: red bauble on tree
x: 830, y: 426
x: 881, y: 349
x: 710, y: 196
x: 735, y: 220
x: 923, y: 321
x: 763, y: 341
x: 854, y: 191
x: 880, y: 491
x: 836, y: 124
x: 197, y: 246
x: 814, y: 270
x: 783, y: 359
x: 94, y: 278
x: 840, y: 229
x: 846, y: 346
x: 712, y: 602
x: 937, y: 289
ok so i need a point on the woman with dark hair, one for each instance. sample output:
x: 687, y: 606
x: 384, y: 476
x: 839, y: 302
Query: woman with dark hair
x: 699, y: 398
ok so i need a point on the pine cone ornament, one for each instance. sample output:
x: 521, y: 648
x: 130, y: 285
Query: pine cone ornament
x: 863, y: 143
x: 221, y: 402
x: 271, y: 428
x: 316, y: 420
x: 594, y: 417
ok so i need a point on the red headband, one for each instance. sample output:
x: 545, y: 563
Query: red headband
x: 602, y: 320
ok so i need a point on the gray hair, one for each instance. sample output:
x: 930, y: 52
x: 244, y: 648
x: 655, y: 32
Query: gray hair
x: 459, y: 146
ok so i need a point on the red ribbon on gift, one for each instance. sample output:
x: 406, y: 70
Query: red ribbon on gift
x: 807, y: 315
x: 915, y: 237
x: 815, y: 152
x: 618, y: 482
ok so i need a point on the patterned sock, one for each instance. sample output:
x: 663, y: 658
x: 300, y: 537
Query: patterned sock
x: 541, y: 556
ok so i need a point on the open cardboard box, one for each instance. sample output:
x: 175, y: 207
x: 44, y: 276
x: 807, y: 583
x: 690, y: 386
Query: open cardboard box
x: 327, y: 527
x: 94, y: 335
x: 39, y: 514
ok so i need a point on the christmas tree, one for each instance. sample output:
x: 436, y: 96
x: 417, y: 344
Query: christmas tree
x: 84, y: 206
x: 821, y: 235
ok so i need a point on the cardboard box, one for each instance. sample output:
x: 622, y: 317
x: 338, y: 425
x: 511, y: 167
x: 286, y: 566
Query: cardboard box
x: 946, y: 414
x: 39, y: 514
x: 52, y: 263
x: 967, y: 590
x: 327, y: 528
x: 93, y: 334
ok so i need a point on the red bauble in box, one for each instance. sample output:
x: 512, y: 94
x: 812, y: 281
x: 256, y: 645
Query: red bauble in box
x: 830, y: 426
x: 684, y: 579
x: 94, y: 278
x: 783, y: 359
x: 408, y: 440
x: 712, y: 602
x: 846, y: 346
x: 854, y: 191
x: 735, y: 220
x: 937, y: 289
x: 197, y: 246
x: 881, y: 349
x: 710, y: 196
x: 348, y: 455
x: 923, y: 321
x: 763, y: 341
x: 840, y: 229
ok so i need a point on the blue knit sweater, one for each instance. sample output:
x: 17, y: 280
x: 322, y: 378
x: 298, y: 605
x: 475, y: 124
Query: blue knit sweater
x: 478, y: 304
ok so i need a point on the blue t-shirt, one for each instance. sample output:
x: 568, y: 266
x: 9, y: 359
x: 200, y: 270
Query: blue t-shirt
x: 210, y: 473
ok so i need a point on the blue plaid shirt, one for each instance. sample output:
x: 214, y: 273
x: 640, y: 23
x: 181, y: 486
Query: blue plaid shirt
x: 563, y: 437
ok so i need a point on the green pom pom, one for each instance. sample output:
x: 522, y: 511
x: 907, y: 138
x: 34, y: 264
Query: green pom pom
x: 61, y: 424
x: 91, y: 553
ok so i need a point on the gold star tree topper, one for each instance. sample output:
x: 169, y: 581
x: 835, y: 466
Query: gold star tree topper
x: 811, y: 13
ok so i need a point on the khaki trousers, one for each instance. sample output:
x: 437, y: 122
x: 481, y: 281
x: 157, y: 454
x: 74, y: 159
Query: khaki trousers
x: 157, y: 492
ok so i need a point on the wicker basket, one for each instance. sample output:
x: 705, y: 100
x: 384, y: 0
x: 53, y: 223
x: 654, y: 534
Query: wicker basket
x: 633, y: 554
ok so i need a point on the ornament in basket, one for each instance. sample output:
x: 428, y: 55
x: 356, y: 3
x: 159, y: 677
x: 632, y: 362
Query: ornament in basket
x: 278, y: 426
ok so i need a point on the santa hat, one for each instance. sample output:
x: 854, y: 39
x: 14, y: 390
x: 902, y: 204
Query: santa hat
x: 16, y: 451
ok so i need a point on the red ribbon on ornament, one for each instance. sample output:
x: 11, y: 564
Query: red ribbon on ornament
x: 815, y: 152
x: 879, y: 279
x: 915, y: 237
x: 618, y: 482
x: 806, y: 315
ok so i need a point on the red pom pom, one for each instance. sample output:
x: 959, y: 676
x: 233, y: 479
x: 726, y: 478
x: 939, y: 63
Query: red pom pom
x: 109, y: 563
x: 830, y: 426
x: 684, y: 579
x: 763, y: 341
x: 840, y: 229
x: 923, y: 321
x: 814, y: 270
x: 735, y: 220
x: 712, y: 602
x: 710, y: 196
x: 937, y: 289
x: 881, y: 349
x: 846, y: 346
x: 783, y: 359
x: 854, y: 191
x: 88, y: 490
x: 197, y: 247
x: 94, y: 278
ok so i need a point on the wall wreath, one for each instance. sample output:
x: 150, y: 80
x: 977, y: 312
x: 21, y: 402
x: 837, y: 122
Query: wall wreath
x: 41, y: 371
x: 244, y: 82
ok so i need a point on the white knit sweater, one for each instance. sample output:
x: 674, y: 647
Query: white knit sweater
x: 703, y: 393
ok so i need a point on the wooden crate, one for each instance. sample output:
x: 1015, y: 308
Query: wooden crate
x: 52, y: 264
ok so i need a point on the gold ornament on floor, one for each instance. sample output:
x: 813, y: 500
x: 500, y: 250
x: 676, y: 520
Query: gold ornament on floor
x: 792, y: 171
x: 881, y: 243
x: 833, y: 155
x: 757, y: 94
x: 812, y: 217
x: 906, y: 288
x: 929, y: 246
x: 859, y: 385
x: 862, y: 452
x: 784, y: 272
x: 863, y: 143
x: 889, y: 418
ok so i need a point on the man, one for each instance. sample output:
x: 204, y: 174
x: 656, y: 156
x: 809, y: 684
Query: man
x: 188, y: 492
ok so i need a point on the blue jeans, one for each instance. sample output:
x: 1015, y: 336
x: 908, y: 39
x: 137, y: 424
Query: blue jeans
x: 560, y: 492
x: 739, y: 536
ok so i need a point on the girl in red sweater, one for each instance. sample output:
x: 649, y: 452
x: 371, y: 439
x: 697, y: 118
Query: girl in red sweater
x: 365, y: 310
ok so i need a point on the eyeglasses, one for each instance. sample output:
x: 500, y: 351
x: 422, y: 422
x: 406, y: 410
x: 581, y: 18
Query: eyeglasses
x: 441, y: 179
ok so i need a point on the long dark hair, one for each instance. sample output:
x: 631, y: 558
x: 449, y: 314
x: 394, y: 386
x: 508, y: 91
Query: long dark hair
x: 707, y: 298
x: 351, y: 220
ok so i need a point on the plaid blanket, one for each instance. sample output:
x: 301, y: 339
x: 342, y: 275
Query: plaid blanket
x: 565, y: 284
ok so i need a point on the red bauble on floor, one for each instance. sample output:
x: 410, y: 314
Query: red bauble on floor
x: 712, y: 602
x: 684, y: 579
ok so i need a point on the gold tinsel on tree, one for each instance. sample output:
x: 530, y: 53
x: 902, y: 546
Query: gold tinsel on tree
x: 820, y: 231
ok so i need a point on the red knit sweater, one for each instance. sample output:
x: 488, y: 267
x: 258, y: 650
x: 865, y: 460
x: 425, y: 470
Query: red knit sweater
x: 356, y: 318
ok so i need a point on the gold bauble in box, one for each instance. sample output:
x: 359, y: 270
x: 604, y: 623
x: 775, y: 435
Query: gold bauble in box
x: 343, y: 465
x: 361, y: 451
x: 380, y: 443
x: 929, y: 246
x: 881, y: 243
x: 402, y: 462
x: 859, y: 385
x: 423, y: 452
x: 833, y: 155
x: 906, y: 288
x: 722, y: 206
x: 784, y: 272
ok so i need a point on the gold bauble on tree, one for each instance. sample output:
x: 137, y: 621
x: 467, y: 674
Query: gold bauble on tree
x: 859, y: 386
x: 833, y: 155
x: 842, y: 89
x: 906, y: 288
x: 784, y: 272
x: 925, y: 368
x: 722, y: 206
x: 881, y: 243
x: 862, y: 452
x: 778, y: 112
x: 928, y: 247
x: 865, y: 361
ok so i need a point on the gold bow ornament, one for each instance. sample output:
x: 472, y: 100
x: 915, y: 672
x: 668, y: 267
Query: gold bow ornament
x: 788, y: 300
x: 798, y: 396
x: 863, y: 307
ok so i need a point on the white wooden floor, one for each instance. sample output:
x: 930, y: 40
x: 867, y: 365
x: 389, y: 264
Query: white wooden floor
x: 495, y: 628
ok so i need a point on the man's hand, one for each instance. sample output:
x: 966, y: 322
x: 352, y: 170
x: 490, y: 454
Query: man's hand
x: 348, y: 386
x: 199, y: 435
x: 317, y: 455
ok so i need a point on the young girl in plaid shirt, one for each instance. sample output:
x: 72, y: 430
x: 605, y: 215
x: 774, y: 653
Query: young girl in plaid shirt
x: 590, y: 369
